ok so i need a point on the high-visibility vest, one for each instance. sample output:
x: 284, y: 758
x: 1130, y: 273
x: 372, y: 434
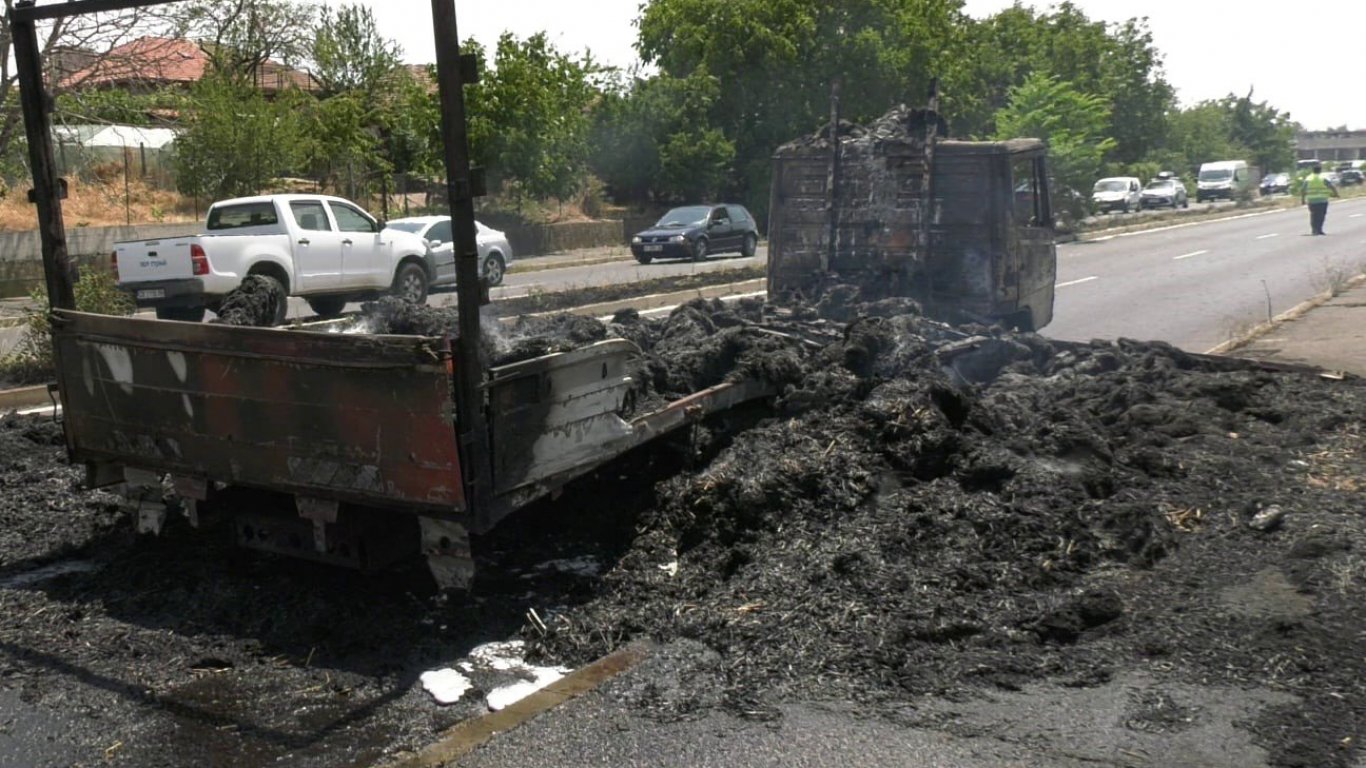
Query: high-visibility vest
x: 1316, y: 188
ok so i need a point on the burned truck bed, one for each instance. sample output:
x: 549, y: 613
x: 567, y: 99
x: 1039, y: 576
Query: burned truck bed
x: 354, y: 435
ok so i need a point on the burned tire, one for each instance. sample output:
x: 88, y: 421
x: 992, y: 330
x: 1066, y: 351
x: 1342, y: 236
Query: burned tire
x: 327, y: 306
x: 699, y: 249
x: 494, y: 269
x: 750, y: 246
x: 410, y: 283
x: 182, y: 314
x: 278, y: 286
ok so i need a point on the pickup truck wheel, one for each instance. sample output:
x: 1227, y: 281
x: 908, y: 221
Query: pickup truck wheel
x: 494, y: 269
x: 410, y: 284
x: 183, y: 314
x: 327, y: 306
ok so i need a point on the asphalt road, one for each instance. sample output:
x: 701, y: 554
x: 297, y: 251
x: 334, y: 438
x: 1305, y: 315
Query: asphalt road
x: 1196, y: 285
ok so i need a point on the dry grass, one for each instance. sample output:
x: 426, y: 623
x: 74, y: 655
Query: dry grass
x: 1335, y: 467
x: 100, y: 203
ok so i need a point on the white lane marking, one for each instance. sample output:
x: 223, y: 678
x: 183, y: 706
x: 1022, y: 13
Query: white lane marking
x: 1077, y: 282
x: 1264, y: 237
x: 1356, y: 215
x: 1189, y: 255
x: 1102, y: 239
x: 672, y: 307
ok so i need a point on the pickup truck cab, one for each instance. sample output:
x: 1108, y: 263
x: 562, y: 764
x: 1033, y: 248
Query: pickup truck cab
x: 324, y: 249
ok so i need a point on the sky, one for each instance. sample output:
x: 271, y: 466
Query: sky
x: 1211, y: 47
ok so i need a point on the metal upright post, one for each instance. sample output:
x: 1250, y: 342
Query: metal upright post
x: 833, y: 181
x: 461, y: 190
x: 47, y: 188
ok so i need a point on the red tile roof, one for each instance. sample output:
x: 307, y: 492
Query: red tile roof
x: 147, y: 59
x: 169, y: 61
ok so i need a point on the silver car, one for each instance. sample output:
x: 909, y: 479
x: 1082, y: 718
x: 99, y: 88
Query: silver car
x: 494, y: 251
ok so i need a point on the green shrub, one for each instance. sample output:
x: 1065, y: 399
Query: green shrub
x: 31, y: 360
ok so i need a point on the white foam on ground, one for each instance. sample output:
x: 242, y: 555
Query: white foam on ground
x: 580, y: 566
x: 511, y: 694
x: 507, y: 656
x: 445, y: 685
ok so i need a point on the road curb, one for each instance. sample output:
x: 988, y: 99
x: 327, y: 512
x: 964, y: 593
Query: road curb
x: 24, y: 397
x: 657, y: 300
x: 516, y: 266
x: 1294, y: 313
x: 472, y: 734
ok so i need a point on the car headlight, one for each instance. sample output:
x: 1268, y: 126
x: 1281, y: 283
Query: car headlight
x: 677, y: 239
x: 636, y: 239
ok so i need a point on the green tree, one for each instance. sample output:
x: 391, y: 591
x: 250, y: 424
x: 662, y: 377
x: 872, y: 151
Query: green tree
x: 540, y: 102
x: 1200, y: 134
x: 1267, y: 133
x: 1117, y: 62
x: 240, y: 36
x: 649, y: 144
x: 349, y: 54
x: 343, y: 144
x: 235, y: 140
x: 1073, y: 124
x: 776, y: 60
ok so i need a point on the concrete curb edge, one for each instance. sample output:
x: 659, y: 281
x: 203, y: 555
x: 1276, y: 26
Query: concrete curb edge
x: 1294, y: 313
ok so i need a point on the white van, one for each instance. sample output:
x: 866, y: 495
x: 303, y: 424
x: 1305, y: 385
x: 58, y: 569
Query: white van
x: 1117, y: 193
x: 1223, y: 179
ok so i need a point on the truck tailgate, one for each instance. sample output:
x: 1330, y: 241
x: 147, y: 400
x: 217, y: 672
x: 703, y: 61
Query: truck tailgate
x: 361, y: 419
x: 145, y: 260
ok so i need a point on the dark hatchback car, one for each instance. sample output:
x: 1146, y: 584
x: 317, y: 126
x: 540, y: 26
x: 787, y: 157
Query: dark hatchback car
x: 693, y: 231
x: 1274, y: 183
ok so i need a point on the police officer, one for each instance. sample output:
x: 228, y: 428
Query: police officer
x: 1315, y: 190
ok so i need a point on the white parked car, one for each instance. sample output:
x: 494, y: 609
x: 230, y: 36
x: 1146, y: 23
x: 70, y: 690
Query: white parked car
x: 325, y: 249
x: 1119, y: 193
x: 494, y: 251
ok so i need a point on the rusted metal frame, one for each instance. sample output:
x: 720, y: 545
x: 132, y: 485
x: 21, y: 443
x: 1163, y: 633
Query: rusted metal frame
x: 26, y: 11
x: 471, y: 409
x: 330, y: 362
x: 645, y: 428
x: 325, y: 349
x: 929, y: 206
x: 833, y: 180
x: 697, y: 405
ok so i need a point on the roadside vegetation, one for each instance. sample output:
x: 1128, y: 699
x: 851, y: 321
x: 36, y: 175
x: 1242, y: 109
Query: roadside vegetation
x: 560, y: 135
x: 30, y: 362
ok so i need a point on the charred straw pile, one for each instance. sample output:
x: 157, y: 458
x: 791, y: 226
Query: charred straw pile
x: 928, y: 512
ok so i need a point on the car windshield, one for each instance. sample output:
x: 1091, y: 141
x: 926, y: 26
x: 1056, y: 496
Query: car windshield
x: 1159, y: 186
x: 682, y: 217
x: 1111, y: 185
x: 1216, y: 175
x: 406, y: 226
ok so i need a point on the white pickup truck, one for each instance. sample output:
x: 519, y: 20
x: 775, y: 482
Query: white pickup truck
x: 323, y: 249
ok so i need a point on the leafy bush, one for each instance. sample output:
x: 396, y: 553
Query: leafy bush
x: 31, y: 360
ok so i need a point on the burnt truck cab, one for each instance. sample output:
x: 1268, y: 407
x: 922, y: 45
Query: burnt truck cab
x: 971, y: 240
